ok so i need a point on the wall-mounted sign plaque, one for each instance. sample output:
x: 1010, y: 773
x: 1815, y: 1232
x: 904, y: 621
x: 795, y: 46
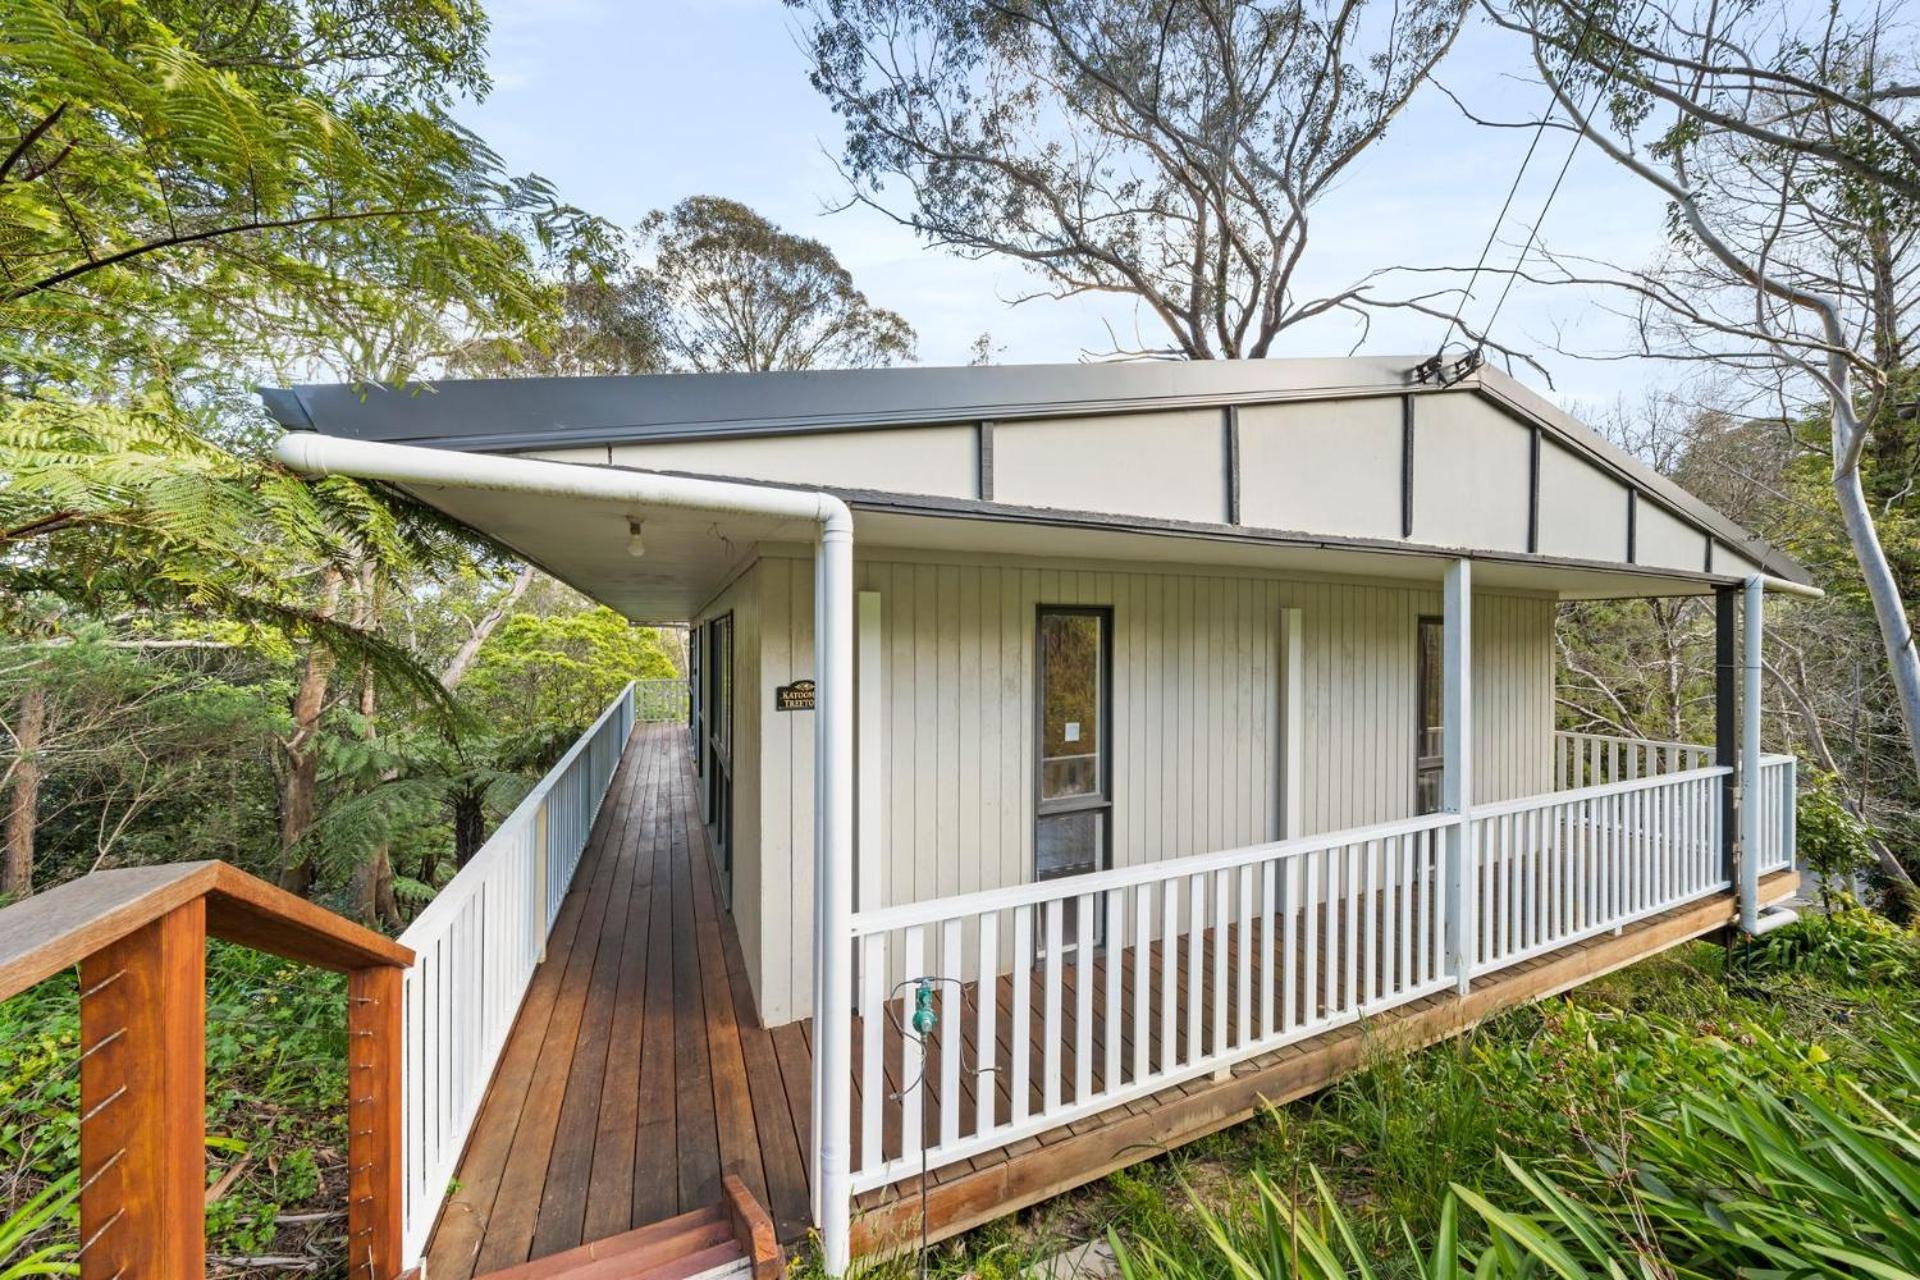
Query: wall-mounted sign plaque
x: 797, y: 696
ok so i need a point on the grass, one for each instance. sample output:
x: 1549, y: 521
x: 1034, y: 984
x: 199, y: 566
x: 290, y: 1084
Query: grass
x: 1660, y: 1121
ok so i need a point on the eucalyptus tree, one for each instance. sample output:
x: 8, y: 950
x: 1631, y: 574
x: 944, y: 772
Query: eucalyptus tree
x: 736, y: 293
x: 1786, y: 141
x: 1168, y: 151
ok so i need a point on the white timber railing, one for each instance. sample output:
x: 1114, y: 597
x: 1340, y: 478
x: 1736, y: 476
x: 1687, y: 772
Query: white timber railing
x: 1196, y: 963
x: 661, y: 701
x: 1058, y: 999
x: 1773, y: 844
x: 1590, y: 759
x: 476, y: 946
x: 1551, y: 870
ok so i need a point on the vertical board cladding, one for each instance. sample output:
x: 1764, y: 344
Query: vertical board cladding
x: 1196, y: 722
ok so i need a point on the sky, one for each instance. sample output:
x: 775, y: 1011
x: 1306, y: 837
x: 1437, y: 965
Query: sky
x: 631, y: 105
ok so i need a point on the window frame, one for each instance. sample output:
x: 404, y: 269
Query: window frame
x: 1102, y: 800
x: 1425, y: 765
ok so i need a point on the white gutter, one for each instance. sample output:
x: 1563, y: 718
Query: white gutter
x: 314, y: 454
x: 1782, y: 586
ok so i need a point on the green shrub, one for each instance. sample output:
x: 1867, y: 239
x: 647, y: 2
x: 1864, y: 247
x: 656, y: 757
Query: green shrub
x: 1850, y: 945
x: 1657, y: 1123
x: 1736, y: 1179
x: 1831, y: 842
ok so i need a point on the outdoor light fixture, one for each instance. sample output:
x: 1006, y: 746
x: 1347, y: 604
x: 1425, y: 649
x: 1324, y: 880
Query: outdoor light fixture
x: 636, y: 546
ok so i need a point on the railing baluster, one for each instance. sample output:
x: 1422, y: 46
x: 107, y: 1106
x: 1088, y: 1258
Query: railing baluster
x: 1084, y: 927
x: 1196, y: 981
x: 1142, y: 979
x: 1243, y: 933
x: 1553, y: 883
x: 952, y: 1027
x: 1052, y: 1025
x: 1423, y: 880
x: 1169, y: 972
x: 873, y: 1025
x: 1330, y: 924
x: 1020, y: 1014
x: 1370, y: 882
x: 1310, y: 951
x: 1114, y: 1018
x: 1351, y: 859
x: 1393, y: 915
x: 1269, y: 949
x: 1513, y: 939
x: 986, y: 1035
x: 1290, y: 960
x: 912, y: 1080
x: 1222, y: 950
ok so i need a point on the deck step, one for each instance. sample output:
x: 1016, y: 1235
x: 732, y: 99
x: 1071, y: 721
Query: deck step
x: 732, y: 1238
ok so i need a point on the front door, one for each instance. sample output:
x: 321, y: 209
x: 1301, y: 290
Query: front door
x: 1073, y: 824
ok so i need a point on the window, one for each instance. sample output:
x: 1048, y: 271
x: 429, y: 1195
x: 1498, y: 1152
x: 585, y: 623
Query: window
x: 1074, y: 802
x: 1429, y: 765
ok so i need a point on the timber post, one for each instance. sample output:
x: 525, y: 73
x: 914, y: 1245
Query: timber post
x: 143, y: 1072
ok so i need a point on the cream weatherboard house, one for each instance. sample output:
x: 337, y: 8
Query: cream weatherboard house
x: 1071, y: 757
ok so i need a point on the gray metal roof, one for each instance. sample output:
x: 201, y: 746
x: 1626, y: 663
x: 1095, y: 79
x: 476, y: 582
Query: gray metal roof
x: 523, y: 413
x: 518, y: 414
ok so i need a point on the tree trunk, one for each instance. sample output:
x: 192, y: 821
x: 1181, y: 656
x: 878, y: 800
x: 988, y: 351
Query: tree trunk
x: 299, y: 790
x: 23, y: 814
x: 373, y: 889
x: 373, y: 880
x: 469, y: 824
x: 456, y: 669
x: 1889, y: 610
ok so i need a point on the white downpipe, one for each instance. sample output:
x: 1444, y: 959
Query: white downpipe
x: 313, y: 454
x: 1752, y: 624
x: 833, y: 887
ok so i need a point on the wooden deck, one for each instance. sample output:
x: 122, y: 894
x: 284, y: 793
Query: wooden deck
x: 637, y: 1074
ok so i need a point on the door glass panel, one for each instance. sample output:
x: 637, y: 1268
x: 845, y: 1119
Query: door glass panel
x: 1068, y: 844
x: 1430, y: 747
x: 1071, y: 735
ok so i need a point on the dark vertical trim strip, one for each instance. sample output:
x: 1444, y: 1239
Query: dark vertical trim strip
x: 1709, y: 565
x: 1406, y: 466
x: 1533, y: 493
x: 1726, y: 751
x: 983, y: 452
x: 1633, y: 520
x: 1231, y: 423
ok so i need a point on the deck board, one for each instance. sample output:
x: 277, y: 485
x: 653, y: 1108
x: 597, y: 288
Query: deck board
x: 638, y: 1074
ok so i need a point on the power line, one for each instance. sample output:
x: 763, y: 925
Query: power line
x: 1586, y: 117
x: 1434, y: 367
x: 1493, y: 232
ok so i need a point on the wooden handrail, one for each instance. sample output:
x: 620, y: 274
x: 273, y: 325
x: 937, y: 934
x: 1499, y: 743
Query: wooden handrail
x: 139, y: 936
x: 57, y: 929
